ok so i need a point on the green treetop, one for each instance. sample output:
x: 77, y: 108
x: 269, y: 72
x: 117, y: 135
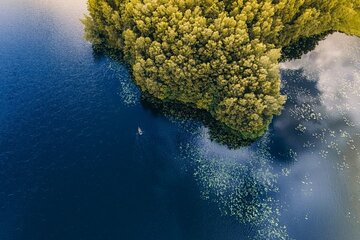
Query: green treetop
x: 220, y: 56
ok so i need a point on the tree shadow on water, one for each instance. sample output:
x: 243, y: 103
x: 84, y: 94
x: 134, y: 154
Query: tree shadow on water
x: 182, y: 112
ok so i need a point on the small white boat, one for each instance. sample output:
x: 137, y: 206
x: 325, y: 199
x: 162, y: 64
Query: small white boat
x: 139, y: 131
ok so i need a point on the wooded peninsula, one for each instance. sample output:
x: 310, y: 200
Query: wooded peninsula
x: 221, y: 56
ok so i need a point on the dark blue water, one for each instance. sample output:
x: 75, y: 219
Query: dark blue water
x: 73, y: 167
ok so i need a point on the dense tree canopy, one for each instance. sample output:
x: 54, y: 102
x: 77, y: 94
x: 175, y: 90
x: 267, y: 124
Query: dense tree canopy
x: 217, y: 55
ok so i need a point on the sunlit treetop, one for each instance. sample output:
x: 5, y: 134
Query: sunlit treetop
x: 220, y: 56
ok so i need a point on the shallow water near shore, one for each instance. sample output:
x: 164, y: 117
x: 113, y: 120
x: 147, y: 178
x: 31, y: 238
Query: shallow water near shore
x: 73, y: 167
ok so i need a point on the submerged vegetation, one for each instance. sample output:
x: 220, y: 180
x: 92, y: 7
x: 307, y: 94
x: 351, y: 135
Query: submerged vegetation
x: 243, y: 186
x: 216, y: 55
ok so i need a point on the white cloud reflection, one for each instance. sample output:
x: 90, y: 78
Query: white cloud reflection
x: 335, y: 65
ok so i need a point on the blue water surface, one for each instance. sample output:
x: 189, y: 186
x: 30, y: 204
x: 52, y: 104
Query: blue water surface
x: 73, y: 167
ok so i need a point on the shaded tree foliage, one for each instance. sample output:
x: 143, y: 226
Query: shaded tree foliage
x: 217, y: 55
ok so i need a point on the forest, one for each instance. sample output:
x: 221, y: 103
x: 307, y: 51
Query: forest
x: 220, y: 56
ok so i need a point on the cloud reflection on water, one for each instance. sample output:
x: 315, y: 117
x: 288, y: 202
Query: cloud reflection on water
x: 329, y: 121
x: 335, y: 66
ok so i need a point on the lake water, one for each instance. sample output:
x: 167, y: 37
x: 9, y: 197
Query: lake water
x: 73, y: 167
